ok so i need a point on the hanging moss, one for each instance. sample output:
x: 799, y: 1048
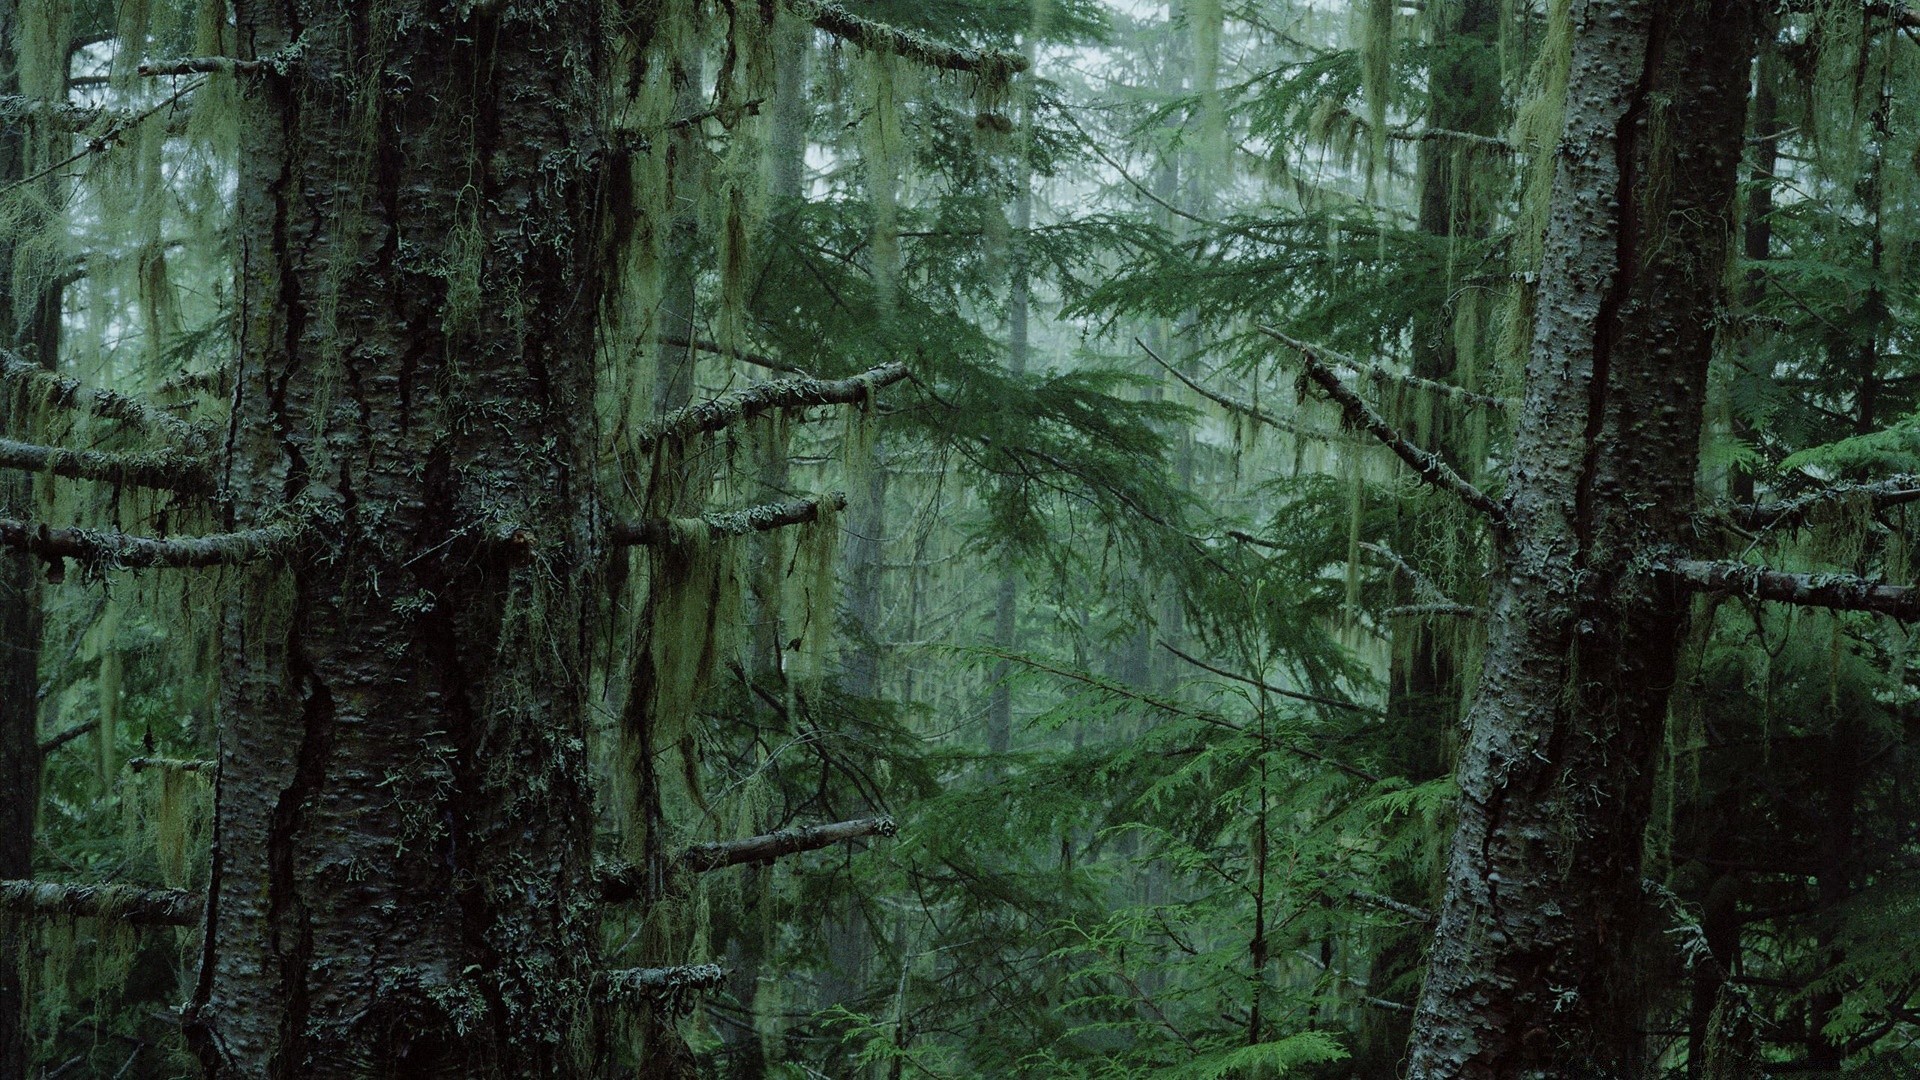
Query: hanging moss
x: 881, y: 150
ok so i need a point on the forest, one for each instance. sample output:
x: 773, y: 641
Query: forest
x: 866, y: 540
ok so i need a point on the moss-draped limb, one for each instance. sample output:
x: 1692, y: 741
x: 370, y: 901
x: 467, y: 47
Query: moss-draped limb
x: 164, y: 470
x: 992, y: 65
x: 1878, y: 494
x: 1837, y: 592
x: 727, y: 409
x: 117, y: 550
x: 136, y: 413
x: 150, y: 907
x: 763, y: 518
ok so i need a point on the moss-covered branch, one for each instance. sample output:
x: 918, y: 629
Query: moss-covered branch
x: 204, y: 65
x: 1838, y: 592
x: 763, y: 518
x: 168, y: 764
x: 992, y: 65
x: 134, y: 412
x: 165, y: 470
x: 150, y: 907
x: 728, y: 409
x: 668, y: 986
x: 1428, y: 465
x: 1789, y: 513
x: 115, y: 550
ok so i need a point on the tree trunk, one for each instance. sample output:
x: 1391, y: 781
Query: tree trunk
x: 1532, y: 971
x: 401, y: 856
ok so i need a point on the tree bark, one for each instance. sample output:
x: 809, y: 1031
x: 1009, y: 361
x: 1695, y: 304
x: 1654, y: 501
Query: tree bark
x: 401, y: 880
x: 1532, y: 971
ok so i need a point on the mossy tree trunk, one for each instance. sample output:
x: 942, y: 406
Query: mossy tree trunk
x: 1533, y: 970
x: 400, y: 872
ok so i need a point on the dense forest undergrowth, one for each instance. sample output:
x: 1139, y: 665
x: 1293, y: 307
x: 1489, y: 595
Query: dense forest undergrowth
x: 1315, y: 538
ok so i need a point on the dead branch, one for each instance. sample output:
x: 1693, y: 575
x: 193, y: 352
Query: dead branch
x: 141, y: 907
x: 707, y: 416
x: 1245, y: 408
x: 204, y: 65
x: 136, y: 764
x: 116, y: 550
x: 1837, y: 592
x: 1879, y: 494
x: 990, y: 65
x: 1463, y: 611
x: 1388, y: 903
x: 68, y: 393
x: 1381, y: 373
x: 1428, y: 465
x: 764, y: 518
x: 107, y: 139
x: 671, y: 988
x: 719, y: 854
x: 55, y: 742
x: 1335, y: 703
x: 681, y: 341
x: 163, y: 470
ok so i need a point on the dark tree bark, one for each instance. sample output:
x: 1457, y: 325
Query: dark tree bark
x: 1533, y: 970
x: 401, y: 873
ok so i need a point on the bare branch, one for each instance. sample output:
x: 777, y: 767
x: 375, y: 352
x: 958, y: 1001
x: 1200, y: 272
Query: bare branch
x: 55, y: 742
x: 1838, y: 592
x: 763, y: 397
x: 764, y: 518
x: 716, y: 855
x: 107, y: 139
x: 161, y: 469
x: 1388, y: 903
x: 1428, y: 465
x: 136, y: 764
x: 149, y: 907
x: 991, y: 65
x: 756, y: 359
x: 1334, y: 703
x: 115, y: 550
x: 1879, y: 494
x: 106, y: 404
x: 1245, y: 408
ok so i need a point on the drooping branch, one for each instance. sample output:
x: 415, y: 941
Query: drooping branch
x: 68, y: 393
x: 991, y: 65
x: 1244, y: 408
x: 763, y: 518
x: 136, y: 764
x: 115, y: 550
x: 1838, y: 592
x: 1879, y: 494
x: 164, y: 470
x: 739, y: 405
x: 142, y: 907
x: 1427, y: 464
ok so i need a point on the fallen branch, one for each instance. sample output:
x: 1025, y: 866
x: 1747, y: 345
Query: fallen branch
x: 1879, y: 494
x: 1335, y: 703
x: 136, y: 764
x: 991, y: 65
x: 1428, y: 465
x: 763, y: 397
x: 764, y: 518
x: 115, y: 550
x: 160, y: 469
x: 141, y: 907
x: 55, y: 742
x: 1837, y: 592
x: 106, y: 404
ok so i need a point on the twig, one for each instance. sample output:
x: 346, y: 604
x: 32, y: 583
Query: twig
x: 764, y: 518
x: 1427, y: 464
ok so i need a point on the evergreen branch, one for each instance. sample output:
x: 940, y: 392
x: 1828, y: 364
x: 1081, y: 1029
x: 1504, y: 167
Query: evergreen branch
x: 1383, y: 374
x: 668, y: 985
x: 656, y: 532
x: 706, y: 416
x: 107, y: 139
x: 1428, y: 465
x: 1488, y: 142
x: 620, y: 882
x: 66, y: 393
x: 1837, y: 592
x: 115, y: 550
x: 1334, y: 703
x: 719, y: 854
x: 1892, y: 491
x: 136, y: 764
x: 55, y: 742
x: 160, y: 469
x: 1177, y: 709
x: 991, y: 65
x: 1245, y: 408
x: 148, y: 907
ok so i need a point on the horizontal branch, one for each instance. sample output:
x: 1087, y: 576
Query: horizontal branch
x: 1388, y: 903
x: 136, y: 764
x: 1438, y: 607
x: 670, y: 985
x: 68, y: 393
x: 204, y: 65
x: 1427, y: 464
x: 763, y: 518
x: 707, y: 416
x: 1879, y: 494
x: 149, y: 907
x: 719, y: 854
x: 681, y: 341
x: 1838, y: 592
x: 115, y: 550
x: 54, y: 742
x: 992, y: 65
x: 162, y: 469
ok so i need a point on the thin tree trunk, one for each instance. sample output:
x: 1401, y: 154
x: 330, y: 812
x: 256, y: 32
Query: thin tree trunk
x: 1533, y: 970
x: 400, y: 881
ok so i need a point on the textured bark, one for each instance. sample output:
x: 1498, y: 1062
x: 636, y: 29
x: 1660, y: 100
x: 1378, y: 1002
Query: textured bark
x: 1533, y: 969
x: 401, y: 872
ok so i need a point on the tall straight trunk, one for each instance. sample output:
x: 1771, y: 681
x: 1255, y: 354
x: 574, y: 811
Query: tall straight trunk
x: 1006, y: 594
x: 400, y: 873
x: 1533, y: 971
